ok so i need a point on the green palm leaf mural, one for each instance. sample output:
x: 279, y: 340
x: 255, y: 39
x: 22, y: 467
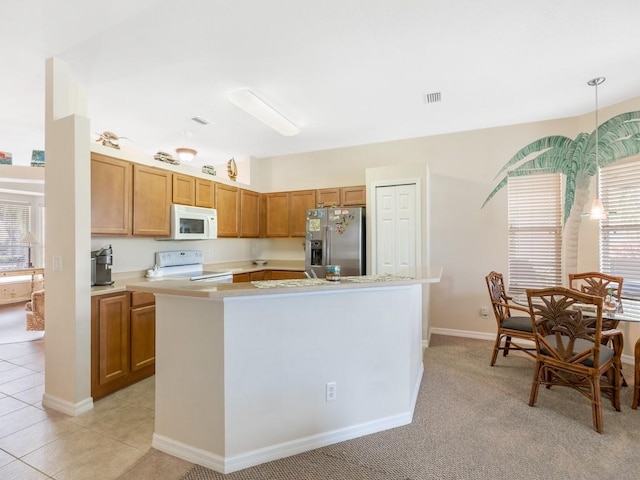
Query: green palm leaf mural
x: 618, y: 138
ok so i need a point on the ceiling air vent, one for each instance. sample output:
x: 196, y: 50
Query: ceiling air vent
x: 201, y: 120
x: 432, y: 97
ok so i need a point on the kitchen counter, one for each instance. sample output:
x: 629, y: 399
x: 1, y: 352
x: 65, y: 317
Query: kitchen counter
x: 244, y: 371
x: 122, y: 279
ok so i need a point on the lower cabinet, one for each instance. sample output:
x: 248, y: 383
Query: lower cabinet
x: 267, y: 275
x: 122, y: 341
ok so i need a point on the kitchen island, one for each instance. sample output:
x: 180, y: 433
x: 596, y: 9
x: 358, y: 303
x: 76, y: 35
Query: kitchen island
x: 248, y: 373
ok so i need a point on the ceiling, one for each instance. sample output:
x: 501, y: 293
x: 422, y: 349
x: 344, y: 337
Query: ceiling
x: 346, y: 72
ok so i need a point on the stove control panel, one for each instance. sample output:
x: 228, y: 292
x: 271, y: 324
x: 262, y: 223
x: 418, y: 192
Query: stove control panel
x: 172, y: 258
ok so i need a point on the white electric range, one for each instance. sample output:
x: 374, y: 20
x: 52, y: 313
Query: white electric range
x: 189, y: 264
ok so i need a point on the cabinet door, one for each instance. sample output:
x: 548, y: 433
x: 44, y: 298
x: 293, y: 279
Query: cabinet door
x: 151, y: 201
x: 110, y: 195
x: 143, y: 337
x: 284, y: 275
x: 249, y: 214
x: 204, y: 193
x: 241, y: 277
x: 110, y: 340
x: 328, y: 197
x: 354, y: 196
x: 184, y: 189
x: 227, y: 205
x: 301, y: 201
x: 277, y: 214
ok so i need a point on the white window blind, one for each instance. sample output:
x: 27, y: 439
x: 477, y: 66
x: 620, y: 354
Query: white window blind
x: 535, y: 231
x: 620, y: 232
x: 15, y: 221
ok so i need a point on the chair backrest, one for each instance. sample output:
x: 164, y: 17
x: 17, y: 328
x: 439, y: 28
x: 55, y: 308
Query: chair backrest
x: 597, y: 283
x: 565, y: 333
x: 498, y: 295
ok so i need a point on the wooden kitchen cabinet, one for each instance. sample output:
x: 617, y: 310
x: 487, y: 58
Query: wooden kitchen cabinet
x: 249, y: 214
x: 109, y: 343
x: 152, y: 195
x: 227, y: 200
x: 328, y: 197
x: 111, y: 184
x: 184, y: 189
x: 343, y: 196
x: 284, y: 275
x: 122, y: 341
x: 277, y: 214
x: 204, y: 193
x: 354, y: 196
x: 143, y: 331
x: 301, y: 201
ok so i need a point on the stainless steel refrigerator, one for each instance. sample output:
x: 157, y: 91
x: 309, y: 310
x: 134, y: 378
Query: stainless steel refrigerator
x: 335, y: 236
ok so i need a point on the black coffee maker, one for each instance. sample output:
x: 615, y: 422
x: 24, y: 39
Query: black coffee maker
x: 101, y: 261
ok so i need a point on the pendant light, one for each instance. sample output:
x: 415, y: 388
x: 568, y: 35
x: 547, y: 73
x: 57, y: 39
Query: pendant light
x: 597, y: 209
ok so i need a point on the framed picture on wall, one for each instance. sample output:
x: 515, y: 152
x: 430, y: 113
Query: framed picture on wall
x: 37, y: 158
x: 5, y: 158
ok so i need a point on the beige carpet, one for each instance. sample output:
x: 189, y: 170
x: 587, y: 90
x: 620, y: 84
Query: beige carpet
x: 472, y: 422
x: 13, y: 326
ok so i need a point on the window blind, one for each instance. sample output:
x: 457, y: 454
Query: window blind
x: 620, y: 231
x: 15, y: 221
x: 535, y: 231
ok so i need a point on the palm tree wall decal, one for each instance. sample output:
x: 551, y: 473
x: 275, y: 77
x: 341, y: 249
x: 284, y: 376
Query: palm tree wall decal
x: 618, y: 138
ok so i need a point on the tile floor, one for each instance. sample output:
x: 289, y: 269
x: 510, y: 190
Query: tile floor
x: 102, y: 444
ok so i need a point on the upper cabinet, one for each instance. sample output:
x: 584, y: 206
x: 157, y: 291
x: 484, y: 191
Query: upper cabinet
x: 301, y: 201
x: 277, y: 214
x: 286, y: 212
x: 249, y: 214
x: 111, y: 181
x: 343, y: 196
x: 204, y: 193
x: 354, y: 196
x: 227, y: 201
x: 151, y: 201
x: 184, y: 189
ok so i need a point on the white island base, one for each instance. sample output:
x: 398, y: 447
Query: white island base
x: 242, y: 380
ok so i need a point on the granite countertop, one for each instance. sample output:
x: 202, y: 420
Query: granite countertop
x: 213, y: 290
x: 122, y: 279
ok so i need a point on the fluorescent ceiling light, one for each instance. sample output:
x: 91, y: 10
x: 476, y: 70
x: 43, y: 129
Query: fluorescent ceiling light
x: 250, y: 103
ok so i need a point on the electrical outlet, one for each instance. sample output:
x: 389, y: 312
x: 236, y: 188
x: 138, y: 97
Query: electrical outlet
x: 331, y: 391
x: 484, y: 312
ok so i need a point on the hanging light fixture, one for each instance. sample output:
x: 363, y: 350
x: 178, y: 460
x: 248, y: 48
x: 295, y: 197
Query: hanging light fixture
x: 597, y: 209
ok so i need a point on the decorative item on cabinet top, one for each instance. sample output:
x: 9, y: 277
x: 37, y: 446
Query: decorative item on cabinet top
x: 232, y: 169
x: 166, y: 158
x: 110, y: 139
x: 210, y: 169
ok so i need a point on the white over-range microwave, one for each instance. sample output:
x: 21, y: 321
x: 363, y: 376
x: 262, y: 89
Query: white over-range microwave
x: 193, y: 223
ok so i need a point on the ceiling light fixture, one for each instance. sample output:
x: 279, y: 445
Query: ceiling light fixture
x: 186, y: 154
x: 250, y: 103
x: 597, y: 209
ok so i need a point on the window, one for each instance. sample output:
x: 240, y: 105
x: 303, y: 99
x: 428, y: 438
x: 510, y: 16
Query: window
x: 535, y: 231
x: 15, y: 221
x: 620, y: 232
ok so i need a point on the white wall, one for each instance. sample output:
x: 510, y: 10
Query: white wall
x: 466, y: 240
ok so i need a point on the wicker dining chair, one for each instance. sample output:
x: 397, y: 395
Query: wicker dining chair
x: 570, y: 349
x: 600, y: 284
x: 509, y: 326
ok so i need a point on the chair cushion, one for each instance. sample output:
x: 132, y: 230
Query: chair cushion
x: 522, y: 324
x: 606, y: 353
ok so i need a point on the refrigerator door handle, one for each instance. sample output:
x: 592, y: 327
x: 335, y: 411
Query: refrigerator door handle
x: 328, y: 237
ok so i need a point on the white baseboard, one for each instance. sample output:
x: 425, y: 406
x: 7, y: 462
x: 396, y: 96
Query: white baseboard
x: 626, y: 359
x: 285, y: 449
x: 66, y: 407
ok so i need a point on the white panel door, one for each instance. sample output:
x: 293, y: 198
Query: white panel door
x: 396, y: 230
